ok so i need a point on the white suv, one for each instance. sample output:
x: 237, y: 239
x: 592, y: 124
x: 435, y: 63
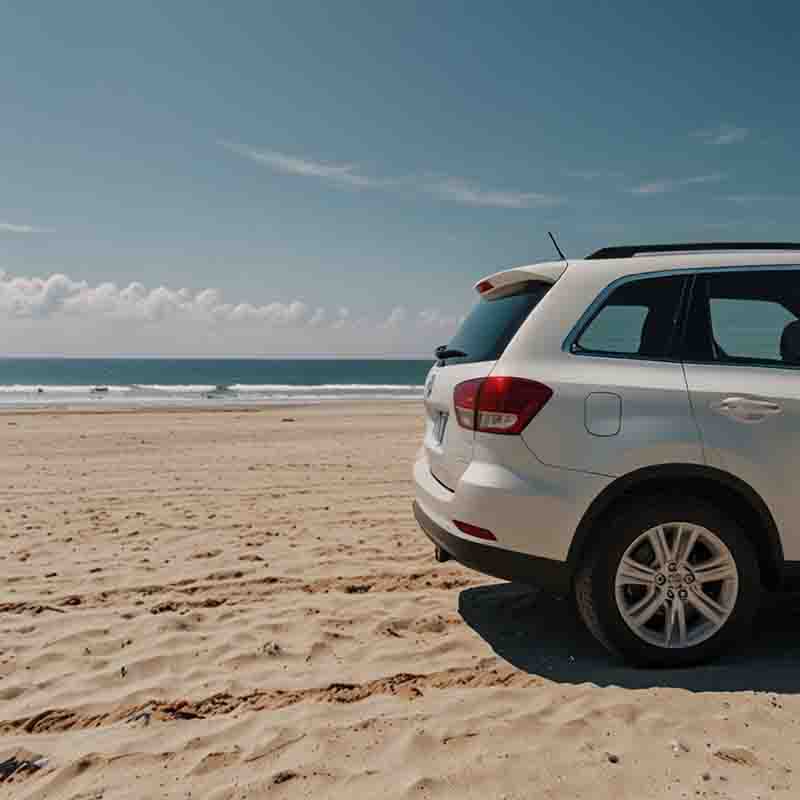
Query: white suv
x: 626, y: 427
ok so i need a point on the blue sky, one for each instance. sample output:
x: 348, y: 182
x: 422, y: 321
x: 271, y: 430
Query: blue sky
x: 331, y: 178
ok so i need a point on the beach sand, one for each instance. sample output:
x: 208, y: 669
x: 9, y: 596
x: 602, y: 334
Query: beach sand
x: 239, y: 604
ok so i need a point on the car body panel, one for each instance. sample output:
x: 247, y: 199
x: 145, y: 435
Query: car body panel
x: 530, y: 507
x: 657, y: 425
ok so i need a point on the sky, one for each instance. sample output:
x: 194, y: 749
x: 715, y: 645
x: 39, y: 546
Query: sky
x: 297, y: 178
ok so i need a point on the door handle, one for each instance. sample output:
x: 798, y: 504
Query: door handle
x: 746, y: 409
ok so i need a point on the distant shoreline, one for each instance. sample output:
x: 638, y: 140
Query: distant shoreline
x: 193, y: 382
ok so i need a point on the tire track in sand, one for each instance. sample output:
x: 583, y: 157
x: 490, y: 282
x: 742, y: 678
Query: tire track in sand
x: 483, y: 675
x: 235, y: 590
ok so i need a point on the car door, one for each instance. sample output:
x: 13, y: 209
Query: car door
x: 742, y: 364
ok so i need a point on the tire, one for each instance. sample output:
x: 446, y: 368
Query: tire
x: 655, y: 582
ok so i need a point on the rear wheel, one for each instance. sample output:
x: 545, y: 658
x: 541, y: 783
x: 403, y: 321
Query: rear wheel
x: 670, y: 582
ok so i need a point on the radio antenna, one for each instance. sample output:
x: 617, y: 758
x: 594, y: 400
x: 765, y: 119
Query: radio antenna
x: 555, y: 244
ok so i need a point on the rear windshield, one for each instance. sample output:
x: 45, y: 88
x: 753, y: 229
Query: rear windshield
x: 492, y: 323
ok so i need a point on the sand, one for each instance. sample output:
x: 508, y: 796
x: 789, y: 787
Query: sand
x: 239, y: 604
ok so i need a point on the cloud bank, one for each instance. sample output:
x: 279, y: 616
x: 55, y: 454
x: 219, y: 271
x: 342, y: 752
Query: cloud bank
x: 23, y: 297
x: 60, y: 297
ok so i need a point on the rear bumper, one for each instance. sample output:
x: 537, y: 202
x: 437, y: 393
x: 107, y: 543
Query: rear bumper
x: 551, y: 575
x: 531, y: 508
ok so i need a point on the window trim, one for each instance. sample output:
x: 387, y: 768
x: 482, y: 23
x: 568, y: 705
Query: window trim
x: 570, y: 344
x: 744, y: 363
x: 677, y: 355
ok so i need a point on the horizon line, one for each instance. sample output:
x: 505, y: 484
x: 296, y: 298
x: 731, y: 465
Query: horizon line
x: 314, y: 357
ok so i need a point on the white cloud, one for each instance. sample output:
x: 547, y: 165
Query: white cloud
x: 10, y: 227
x: 722, y: 134
x: 593, y: 174
x: 36, y: 297
x: 346, y: 174
x: 755, y: 199
x: 276, y: 314
x: 455, y: 189
x: 60, y: 315
x: 467, y: 194
x: 22, y: 297
x: 342, y: 318
x: 397, y: 316
x: 435, y: 318
x: 664, y: 185
x: 317, y: 318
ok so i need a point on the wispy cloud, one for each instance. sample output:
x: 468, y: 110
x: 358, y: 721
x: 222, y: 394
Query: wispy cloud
x: 346, y: 174
x: 663, y: 185
x: 455, y: 189
x: 722, y: 134
x: 467, y: 194
x: 10, y: 227
x: 593, y: 174
x: 757, y: 199
x: 722, y: 225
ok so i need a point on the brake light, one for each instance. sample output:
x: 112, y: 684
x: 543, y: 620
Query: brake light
x: 474, y: 530
x: 499, y: 404
x: 465, y: 400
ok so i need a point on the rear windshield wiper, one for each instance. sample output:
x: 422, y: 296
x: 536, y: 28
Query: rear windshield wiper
x: 443, y: 351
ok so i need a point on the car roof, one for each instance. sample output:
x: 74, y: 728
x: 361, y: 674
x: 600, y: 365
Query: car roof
x: 614, y: 268
x: 630, y: 250
x: 674, y: 262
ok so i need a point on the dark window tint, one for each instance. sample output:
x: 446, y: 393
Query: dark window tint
x: 639, y: 319
x: 492, y: 323
x: 745, y: 318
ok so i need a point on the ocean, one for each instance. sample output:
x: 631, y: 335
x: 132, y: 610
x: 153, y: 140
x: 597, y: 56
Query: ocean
x: 31, y: 382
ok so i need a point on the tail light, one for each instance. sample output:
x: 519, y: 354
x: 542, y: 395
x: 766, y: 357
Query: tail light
x: 499, y: 404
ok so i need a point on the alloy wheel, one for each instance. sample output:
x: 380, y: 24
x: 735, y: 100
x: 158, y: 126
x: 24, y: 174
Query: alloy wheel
x: 676, y: 585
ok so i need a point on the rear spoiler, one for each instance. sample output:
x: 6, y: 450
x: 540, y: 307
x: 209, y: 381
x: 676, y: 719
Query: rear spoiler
x: 493, y: 285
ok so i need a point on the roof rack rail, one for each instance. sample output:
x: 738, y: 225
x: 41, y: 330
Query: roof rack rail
x: 629, y: 251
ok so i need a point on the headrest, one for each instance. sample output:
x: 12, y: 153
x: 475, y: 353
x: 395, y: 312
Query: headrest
x: 790, y: 343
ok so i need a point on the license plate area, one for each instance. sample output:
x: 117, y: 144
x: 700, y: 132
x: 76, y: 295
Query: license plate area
x: 440, y: 426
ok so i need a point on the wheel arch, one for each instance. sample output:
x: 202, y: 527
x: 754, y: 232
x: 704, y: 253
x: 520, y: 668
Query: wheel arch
x: 729, y: 492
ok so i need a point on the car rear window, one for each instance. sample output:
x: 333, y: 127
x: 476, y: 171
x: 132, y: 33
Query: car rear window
x: 492, y: 323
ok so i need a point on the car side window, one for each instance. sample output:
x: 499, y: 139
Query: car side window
x: 638, y: 320
x: 747, y: 317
